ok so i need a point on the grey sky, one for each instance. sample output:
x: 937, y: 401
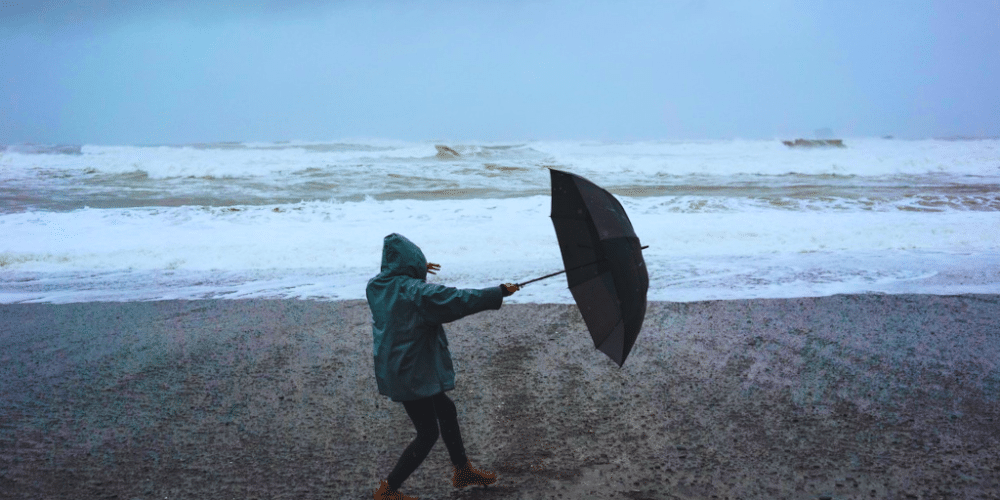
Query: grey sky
x: 115, y: 72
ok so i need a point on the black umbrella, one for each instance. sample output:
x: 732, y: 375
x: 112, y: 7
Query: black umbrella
x: 603, y: 259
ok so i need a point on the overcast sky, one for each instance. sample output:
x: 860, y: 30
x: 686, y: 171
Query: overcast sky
x: 117, y: 72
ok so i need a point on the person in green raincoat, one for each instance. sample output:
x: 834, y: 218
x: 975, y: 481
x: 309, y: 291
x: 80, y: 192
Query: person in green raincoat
x: 412, y: 362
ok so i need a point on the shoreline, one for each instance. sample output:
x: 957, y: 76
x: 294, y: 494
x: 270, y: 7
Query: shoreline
x: 847, y: 396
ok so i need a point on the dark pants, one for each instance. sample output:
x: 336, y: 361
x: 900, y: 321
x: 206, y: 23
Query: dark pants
x: 426, y: 413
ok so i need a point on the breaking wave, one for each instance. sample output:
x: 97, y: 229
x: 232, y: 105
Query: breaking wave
x: 43, y: 149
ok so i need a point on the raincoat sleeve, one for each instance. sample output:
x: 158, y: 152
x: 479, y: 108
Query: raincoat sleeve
x: 441, y: 304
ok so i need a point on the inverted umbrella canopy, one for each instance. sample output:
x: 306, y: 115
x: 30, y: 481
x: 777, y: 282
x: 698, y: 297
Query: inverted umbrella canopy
x: 604, y: 265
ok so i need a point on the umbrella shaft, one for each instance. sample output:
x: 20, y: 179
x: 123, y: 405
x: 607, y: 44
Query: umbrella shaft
x: 543, y: 277
x: 564, y: 270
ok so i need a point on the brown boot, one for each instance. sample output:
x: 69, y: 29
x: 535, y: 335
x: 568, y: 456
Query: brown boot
x: 384, y: 493
x: 468, y: 475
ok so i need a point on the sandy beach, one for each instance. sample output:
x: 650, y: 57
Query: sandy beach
x: 849, y: 396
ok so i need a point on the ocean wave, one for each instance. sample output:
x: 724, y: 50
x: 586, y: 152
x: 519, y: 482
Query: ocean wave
x: 480, y: 152
x: 602, y: 163
x: 43, y: 149
x: 336, y: 147
x: 334, y: 247
x: 300, y: 234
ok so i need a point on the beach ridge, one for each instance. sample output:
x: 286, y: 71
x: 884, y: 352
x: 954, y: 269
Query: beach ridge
x: 864, y: 396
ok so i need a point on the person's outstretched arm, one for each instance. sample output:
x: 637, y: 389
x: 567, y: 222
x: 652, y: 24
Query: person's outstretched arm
x: 443, y: 304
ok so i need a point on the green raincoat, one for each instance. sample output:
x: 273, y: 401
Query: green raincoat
x: 411, y: 354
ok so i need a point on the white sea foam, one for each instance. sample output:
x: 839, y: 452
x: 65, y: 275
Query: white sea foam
x: 616, y: 163
x: 724, y: 219
x: 330, y: 249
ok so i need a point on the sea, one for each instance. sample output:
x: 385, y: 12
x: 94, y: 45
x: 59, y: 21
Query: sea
x: 723, y: 219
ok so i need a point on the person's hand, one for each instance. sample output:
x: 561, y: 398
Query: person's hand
x: 431, y: 267
x: 511, y: 288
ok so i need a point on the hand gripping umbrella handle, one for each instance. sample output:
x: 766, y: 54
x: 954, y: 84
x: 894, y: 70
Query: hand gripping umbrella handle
x: 519, y: 285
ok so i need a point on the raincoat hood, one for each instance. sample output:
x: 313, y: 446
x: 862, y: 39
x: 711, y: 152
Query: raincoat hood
x: 410, y: 348
x: 401, y: 257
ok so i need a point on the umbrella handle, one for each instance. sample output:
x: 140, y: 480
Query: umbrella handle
x: 519, y: 285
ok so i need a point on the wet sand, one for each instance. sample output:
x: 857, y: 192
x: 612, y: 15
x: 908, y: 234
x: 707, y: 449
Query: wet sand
x: 851, y: 396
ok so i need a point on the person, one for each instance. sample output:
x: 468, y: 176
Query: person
x: 412, y: 361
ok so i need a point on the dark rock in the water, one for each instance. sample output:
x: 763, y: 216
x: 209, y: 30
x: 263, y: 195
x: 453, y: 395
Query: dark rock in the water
x: 446, y: 152
x: 808, y: 143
